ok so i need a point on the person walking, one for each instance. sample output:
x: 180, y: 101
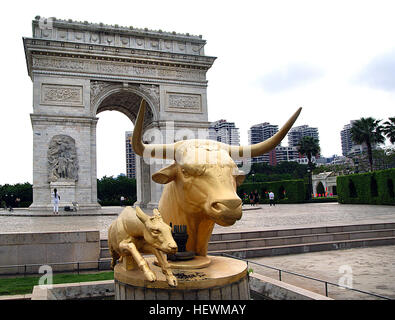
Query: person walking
x: 55, y: 199
x: 271, y: 198
x: 122, y: 201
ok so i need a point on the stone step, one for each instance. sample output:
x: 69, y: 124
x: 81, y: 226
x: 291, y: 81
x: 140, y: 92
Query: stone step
x: 103, y: 243
x: 105, y: 264
x: 302, y: 239
x: 299, y: 231
x: 104, y: 253
x: 246, y: 253
x: 289, y: 240
x: 289, y: 232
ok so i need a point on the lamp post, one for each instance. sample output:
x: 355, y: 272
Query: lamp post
x: 309, y: 172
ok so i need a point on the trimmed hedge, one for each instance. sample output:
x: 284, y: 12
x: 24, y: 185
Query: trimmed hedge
x: 294, y: 190
x: 375, y: 187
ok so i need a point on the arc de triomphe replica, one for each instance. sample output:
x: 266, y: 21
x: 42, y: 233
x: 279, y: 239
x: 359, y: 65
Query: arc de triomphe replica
x: 80, y: 69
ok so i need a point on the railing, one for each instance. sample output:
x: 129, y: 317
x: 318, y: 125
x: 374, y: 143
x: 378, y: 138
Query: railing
x: 77, y: 264
x: 326, y: 283
x: 100, y: 263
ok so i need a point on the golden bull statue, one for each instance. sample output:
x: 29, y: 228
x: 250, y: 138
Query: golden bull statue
x: 201, y: 183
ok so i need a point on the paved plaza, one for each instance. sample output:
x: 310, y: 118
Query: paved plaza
x: 262, y: 217
x: 373, y: 269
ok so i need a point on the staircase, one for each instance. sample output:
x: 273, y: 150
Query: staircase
x: 267, y: 243
x: 300, y: 240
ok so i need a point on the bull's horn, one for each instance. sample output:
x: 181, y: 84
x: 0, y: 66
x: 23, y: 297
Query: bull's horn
x: 258, y: 149
x: 163, y: 151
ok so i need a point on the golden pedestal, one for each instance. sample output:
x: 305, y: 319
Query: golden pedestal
x: 223, y: 279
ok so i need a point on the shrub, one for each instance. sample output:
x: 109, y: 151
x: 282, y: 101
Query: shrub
x: 285, y: 191
x: 367, y: 188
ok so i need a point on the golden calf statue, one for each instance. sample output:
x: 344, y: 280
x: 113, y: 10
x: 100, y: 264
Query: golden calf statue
x: 133, y: 233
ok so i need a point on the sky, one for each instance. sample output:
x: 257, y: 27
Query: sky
x: 335, y: 59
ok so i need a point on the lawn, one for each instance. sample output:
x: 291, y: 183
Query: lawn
x: 24, y: 285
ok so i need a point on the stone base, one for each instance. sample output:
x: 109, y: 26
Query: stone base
x: 197, y: 262
x: 49, y: 207
x: 223, y: 279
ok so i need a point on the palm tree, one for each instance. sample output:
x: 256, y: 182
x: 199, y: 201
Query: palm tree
x: 369, y: 132
x: 309, y: 147
x: 389, y: 129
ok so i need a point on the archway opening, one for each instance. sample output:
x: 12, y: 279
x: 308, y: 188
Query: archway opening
x: 281, y: 192
x: 390, y: 186
x: 352, y: 190
x: 373, y: 187
x: 114, y: 152
x: 320, y: 188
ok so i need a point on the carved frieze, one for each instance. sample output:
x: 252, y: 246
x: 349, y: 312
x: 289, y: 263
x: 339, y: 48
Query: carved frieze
x: 113, y: 68
x: 152, y: 91
x: 184, y: 102
x: 62, y: 95
x: 62, y: 159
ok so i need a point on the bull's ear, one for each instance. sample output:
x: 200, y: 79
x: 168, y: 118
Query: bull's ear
x: 157, y: 213
x: 166, y: 174
x: 141, y: 215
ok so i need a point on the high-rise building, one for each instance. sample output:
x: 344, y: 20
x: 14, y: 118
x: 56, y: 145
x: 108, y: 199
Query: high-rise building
x: 286, y: 153
x: 225, y: 132
x: 261, y: 132
x: 297, y: 133
x: 348, y: 145
x: 130, y: 156
x: 346, y: 140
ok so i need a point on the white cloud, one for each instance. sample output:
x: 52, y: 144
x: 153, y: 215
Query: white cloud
x: 290, y: 77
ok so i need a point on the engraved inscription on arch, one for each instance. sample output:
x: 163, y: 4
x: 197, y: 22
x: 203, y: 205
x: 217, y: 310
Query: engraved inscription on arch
x: 184, y: 102
x: 68, y: 95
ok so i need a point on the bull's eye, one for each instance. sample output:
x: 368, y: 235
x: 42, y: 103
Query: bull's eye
x: 155, y: 231
x: 185, y: 173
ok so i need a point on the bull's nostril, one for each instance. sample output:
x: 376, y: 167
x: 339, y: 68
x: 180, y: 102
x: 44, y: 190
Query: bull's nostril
x: 215, y: 205
x: 226, y: 204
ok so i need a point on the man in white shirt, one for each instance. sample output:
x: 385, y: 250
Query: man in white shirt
x: 271, y: 198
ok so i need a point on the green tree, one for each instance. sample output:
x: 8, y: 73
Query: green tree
x: 367, y: 131
x: 110, y: 190
x: 389, y: 129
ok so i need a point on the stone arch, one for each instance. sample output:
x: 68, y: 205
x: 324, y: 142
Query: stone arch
x: 72, y: 83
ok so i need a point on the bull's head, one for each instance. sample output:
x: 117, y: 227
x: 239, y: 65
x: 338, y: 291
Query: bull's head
x: 204, y: 173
